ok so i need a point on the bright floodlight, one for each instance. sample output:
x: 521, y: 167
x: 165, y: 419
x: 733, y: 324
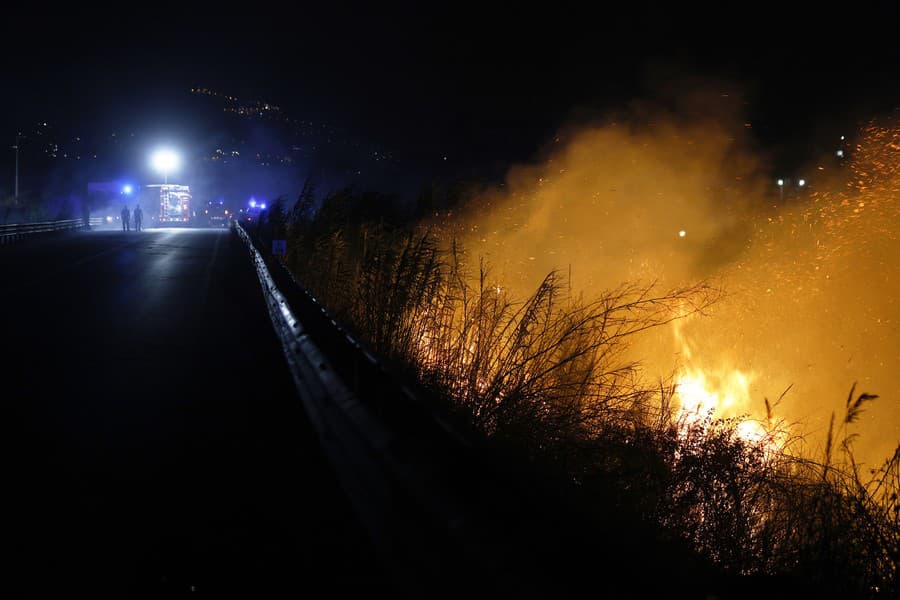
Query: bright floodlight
x: 164, y: 161
x: 126, y: 189
x: 252, y: 202
x: 781, y: 182
x: 263, y: 206
x: 802, y: 182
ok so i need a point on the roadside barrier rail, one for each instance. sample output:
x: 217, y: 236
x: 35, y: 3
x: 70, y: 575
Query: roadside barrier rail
x: 17, y: 231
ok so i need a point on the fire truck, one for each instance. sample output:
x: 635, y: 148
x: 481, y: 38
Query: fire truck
x: 174, y: 205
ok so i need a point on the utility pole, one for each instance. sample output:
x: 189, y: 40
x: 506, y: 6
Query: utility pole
x: 16, y: 197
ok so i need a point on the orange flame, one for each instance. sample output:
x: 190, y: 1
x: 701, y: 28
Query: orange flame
x: 717, y: 393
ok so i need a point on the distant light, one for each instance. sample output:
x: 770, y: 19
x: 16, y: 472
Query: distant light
x: 682, y: 233
x: 263, y: 206
x: 842, y: 137
x: 253, y: 203
x: 802, y: 182
x: 164, y: 161
x: 126, y: 189
x: 109, y: 219
x: 781, y: 182
x: 226, y: 211
x: 840, y: 153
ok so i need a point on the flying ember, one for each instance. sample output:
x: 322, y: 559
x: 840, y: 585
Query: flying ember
x: 811, y: 283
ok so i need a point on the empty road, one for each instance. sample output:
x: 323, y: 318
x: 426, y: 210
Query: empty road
x: 155, y: 444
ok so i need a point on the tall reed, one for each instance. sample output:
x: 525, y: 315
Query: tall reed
x: 548, y: 378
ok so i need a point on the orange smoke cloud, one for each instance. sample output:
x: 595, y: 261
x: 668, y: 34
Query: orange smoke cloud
x: 813, y: 283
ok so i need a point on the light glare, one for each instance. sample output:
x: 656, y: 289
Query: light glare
x: 164, y: 161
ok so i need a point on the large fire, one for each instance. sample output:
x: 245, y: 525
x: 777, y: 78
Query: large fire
x: 705, y: 396
x: 714, y: 394
x: 811, y: 273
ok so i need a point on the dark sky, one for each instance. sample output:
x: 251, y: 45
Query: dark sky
x: 487, y: 84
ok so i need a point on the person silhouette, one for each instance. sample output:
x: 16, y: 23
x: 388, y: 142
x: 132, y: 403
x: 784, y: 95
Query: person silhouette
x: 126, y: 225
x: 138, y: 216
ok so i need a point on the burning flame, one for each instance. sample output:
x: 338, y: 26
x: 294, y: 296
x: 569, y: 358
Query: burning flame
x: 716, y: 394
x: 721, y: 395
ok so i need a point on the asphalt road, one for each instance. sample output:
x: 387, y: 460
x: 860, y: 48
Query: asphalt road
x: 154, y: 443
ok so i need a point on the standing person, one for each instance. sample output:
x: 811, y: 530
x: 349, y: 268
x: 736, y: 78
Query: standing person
x: 126, y: 224
x: 138, y: 216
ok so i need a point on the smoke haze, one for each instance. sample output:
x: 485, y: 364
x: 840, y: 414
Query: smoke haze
x: 676, y: 192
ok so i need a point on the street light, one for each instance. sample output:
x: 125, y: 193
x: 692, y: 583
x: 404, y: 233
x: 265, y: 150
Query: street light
x: 781, y: 189
x: 165, y: 161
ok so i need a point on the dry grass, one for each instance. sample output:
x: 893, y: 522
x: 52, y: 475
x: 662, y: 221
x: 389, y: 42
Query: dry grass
x: 547, y: 378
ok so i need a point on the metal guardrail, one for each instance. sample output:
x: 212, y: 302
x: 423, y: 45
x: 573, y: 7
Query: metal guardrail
x: 17, y: 231
x: 410, y: 477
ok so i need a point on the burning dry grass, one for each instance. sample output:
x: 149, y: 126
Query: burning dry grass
x: 553, y: 379
x: 812, y: 271
x: 549, y: 379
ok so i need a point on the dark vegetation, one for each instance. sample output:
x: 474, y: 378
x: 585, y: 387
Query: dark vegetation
x: 29, y: 209
x: 548, y: 382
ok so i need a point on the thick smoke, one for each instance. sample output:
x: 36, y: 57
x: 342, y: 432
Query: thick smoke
x: 677, y: 193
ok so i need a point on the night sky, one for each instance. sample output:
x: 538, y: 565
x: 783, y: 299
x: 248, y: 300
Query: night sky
x: 483, y: 87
